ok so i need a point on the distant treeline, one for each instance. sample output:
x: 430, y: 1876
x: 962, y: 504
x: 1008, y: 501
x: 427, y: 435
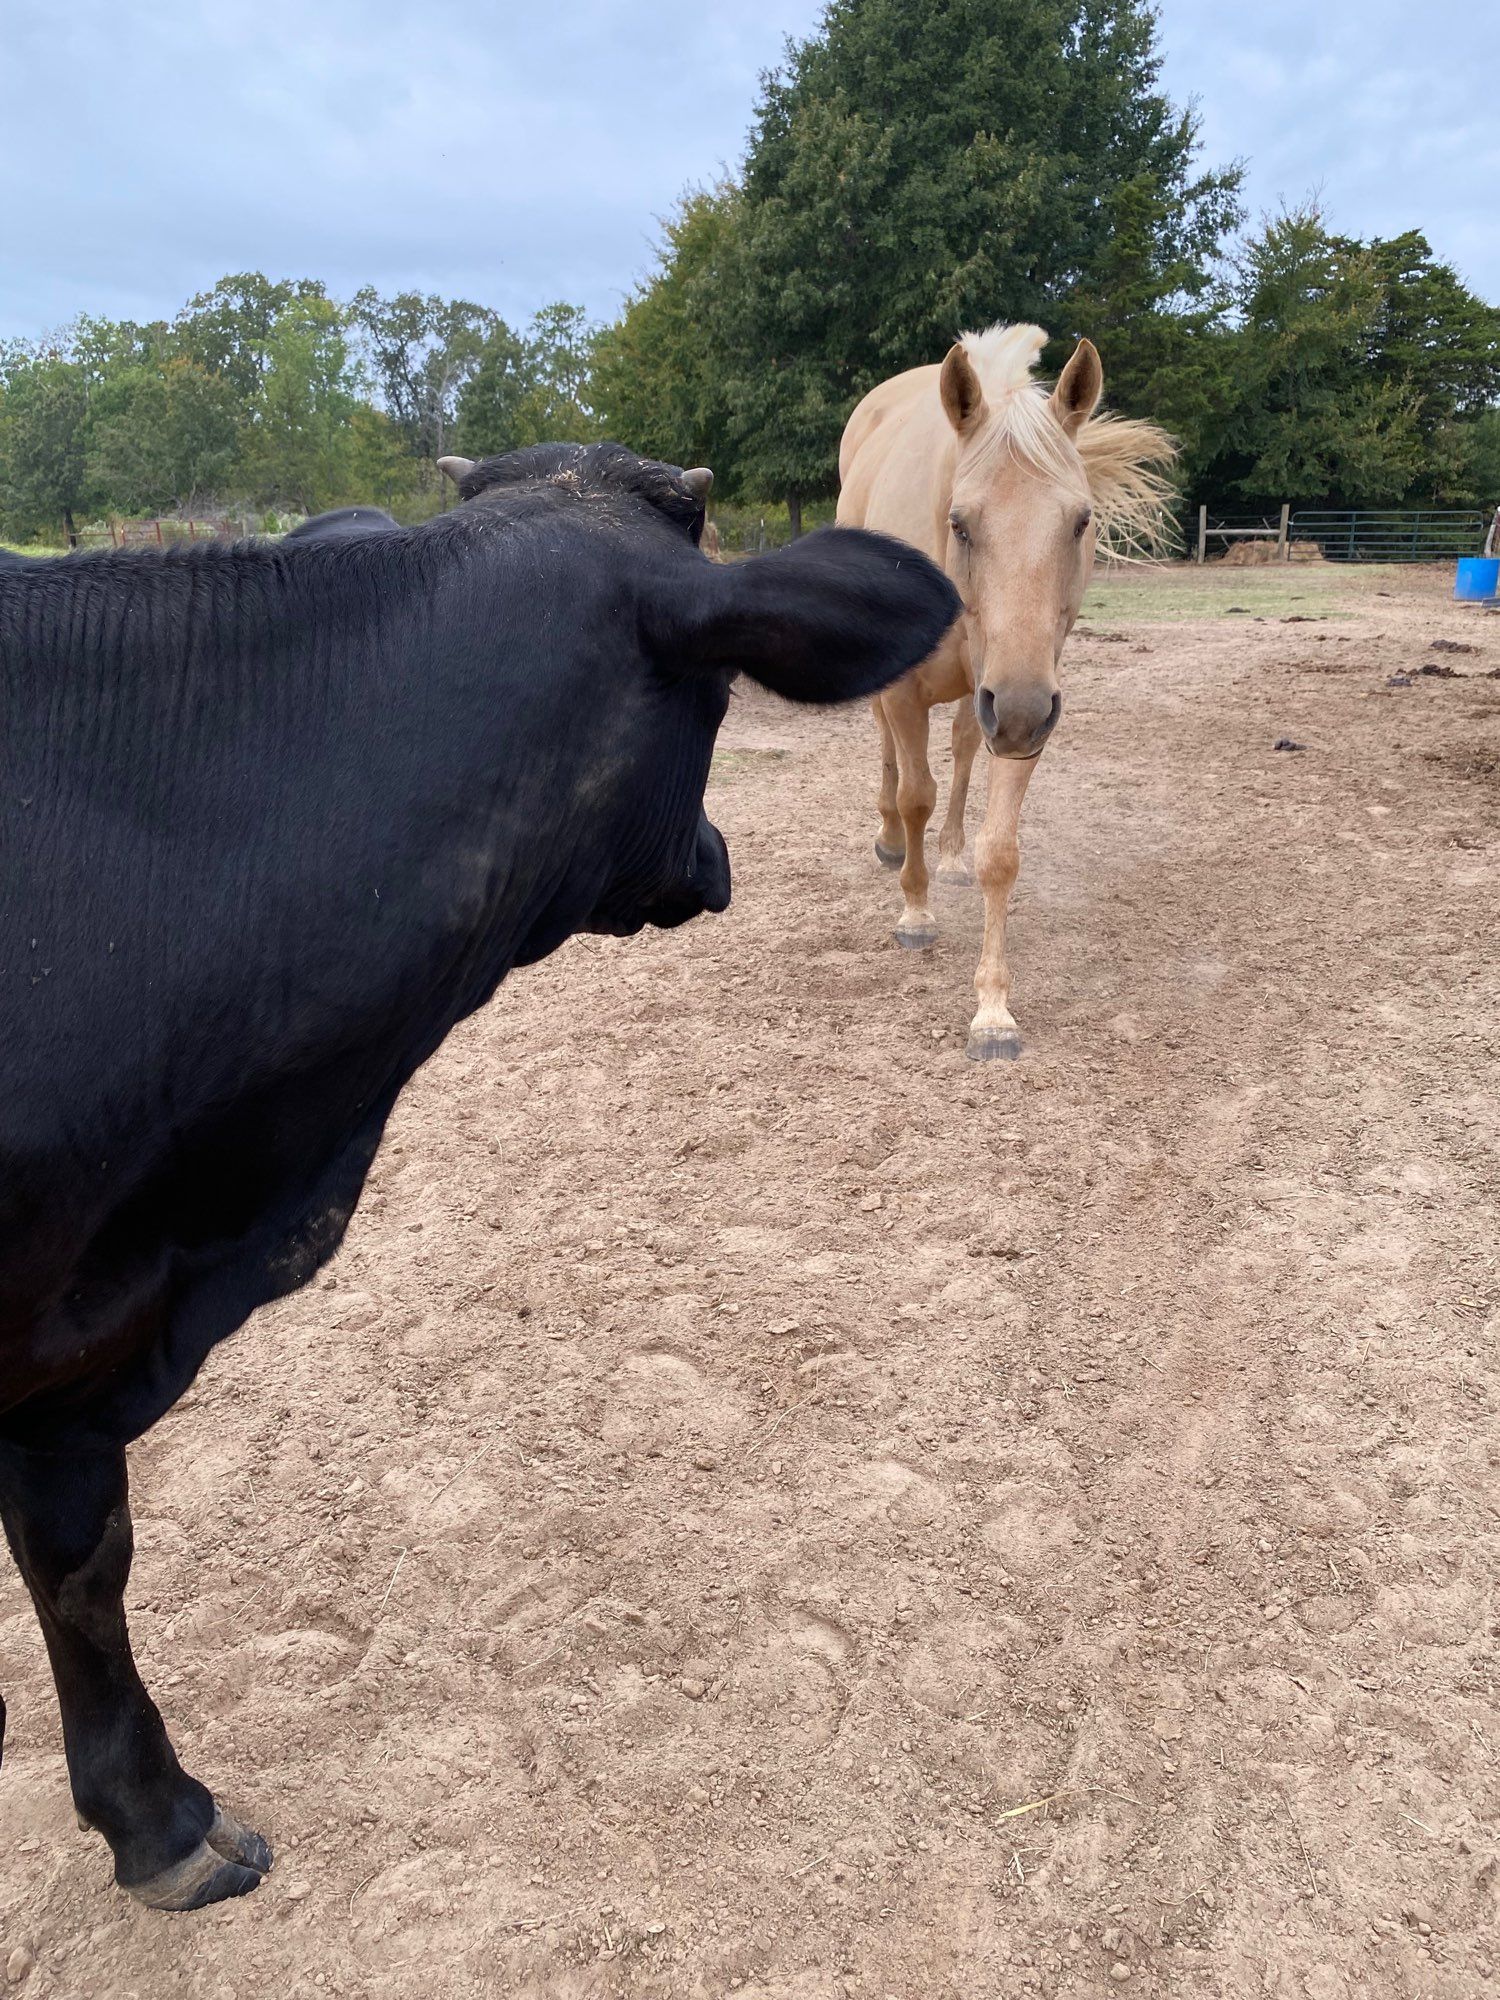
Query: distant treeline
x: 916, y: 167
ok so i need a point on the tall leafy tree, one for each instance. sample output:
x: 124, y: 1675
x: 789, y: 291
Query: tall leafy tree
x: 924, y: 165
x: 301, y: 441
x: 534, y: 388
x: 161, y: 436
x: 230, y: 328
x: 489, y: 404
x: 659, y: 379
x: 422, y: 350
x: 1358, y: 374
x: 44, y: 443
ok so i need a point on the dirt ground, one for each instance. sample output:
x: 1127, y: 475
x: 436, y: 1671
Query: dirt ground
x: 763, y: 1506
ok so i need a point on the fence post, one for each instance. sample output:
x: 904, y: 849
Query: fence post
x: 1283, y: 538
x: 1202, y: 531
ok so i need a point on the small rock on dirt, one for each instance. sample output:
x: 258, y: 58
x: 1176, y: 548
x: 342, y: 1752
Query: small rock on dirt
x: 1436, y: 671
x: 1451, y: 646
x: 18, y: 1964
x: 692, y: 1687
x: 706, y: 1461
x: 1287, y: 743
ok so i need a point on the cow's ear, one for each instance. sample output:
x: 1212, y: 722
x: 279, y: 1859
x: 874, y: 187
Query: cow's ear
x: 839, y: 614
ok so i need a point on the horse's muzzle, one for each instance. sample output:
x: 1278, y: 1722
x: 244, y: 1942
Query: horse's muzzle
x: 1017, y: 724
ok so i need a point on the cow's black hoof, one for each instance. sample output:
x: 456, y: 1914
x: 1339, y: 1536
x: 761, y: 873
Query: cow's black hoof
x: 889, y: 857
x: 993, y: 1047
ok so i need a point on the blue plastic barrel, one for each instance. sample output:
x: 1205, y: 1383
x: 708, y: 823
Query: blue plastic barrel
x: 1477, y: 579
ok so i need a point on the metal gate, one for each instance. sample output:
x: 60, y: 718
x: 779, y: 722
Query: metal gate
x: 1433, y: 534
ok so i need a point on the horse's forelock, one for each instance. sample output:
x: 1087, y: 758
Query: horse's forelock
x: 1124, y: 462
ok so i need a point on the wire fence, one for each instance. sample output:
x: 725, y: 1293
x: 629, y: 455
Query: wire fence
x: 1434, y: 534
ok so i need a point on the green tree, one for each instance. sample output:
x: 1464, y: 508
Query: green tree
x: 300, y: 444
x: 230, y: 328
x: 44, y: 441
x: 658, y: 375
x: 923, y: 165
x: 556, y: 408
x: 533, y: 390
x: 161, y: 435
x: 1357, y: 373
x: 422, y: 350
x: 489, y: 404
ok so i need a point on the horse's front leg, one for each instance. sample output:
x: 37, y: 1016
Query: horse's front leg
x: 966, y: 739
x: 907, y: 711
x: 993, y: 1033
x: 68, y: 1524
x: 890, y: 842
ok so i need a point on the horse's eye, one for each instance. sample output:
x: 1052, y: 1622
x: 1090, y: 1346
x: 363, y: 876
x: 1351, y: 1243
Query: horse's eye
x: 1081, y: 524
x: 960, y: 532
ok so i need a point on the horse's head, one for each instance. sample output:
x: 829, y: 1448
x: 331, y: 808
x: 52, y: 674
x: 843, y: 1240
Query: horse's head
x: 1038, y: 481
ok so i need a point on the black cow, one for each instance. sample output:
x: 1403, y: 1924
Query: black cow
x: 340, y: 523
x: 274, y: 817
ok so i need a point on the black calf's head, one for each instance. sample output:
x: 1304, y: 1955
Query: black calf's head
x: 840, y: 614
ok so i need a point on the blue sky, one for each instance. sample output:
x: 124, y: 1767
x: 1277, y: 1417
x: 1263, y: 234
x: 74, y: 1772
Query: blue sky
x: 515, y: 154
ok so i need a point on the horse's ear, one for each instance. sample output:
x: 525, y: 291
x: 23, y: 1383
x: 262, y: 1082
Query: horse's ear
x: 961, y: 391
x: 1079, y: 388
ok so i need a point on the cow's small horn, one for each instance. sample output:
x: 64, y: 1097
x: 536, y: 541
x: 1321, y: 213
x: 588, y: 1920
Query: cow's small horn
x: 457, y: 469
x: 697, y: 481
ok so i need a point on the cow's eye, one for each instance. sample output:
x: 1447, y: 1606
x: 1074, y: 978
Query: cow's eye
x: 960, y: 532
x: 1081, y: 524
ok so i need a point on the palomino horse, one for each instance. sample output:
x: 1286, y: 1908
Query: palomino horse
x: 1010, y: 489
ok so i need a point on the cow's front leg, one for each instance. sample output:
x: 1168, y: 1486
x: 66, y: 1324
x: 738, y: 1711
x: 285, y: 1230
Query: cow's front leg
x: 68, y: 1524
x: 966, y: 739
x: 992, y: 1033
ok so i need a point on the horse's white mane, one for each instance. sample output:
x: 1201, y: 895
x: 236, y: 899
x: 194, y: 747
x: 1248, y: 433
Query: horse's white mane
x: 1126, y: 460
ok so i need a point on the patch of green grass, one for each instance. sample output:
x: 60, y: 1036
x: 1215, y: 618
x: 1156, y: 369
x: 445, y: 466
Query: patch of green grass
x: 30, y: 549
x: 1165, y: 597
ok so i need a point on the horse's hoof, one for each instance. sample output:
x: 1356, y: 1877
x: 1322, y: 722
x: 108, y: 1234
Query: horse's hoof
x: 889, y: 857
x: 956, y: 874
x: 229, y: 1861
x: 917, y: 940
x: 993, y: 1045
x: 237, y: 1842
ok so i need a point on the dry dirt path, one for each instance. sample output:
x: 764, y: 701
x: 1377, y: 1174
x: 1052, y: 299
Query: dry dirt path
x: 746, y: 1459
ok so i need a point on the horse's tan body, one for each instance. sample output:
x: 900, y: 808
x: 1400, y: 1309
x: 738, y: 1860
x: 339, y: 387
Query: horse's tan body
x: 973, y: 464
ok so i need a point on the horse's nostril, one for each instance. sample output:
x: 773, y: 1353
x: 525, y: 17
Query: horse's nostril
x: 984, y: 708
